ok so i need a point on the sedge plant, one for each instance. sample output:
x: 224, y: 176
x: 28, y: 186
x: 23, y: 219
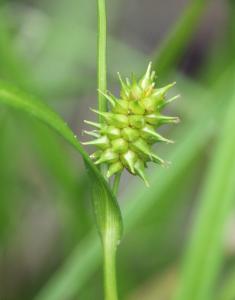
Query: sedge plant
x: 124, y: 137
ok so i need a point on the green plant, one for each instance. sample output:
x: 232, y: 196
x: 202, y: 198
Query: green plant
x: 141, y: 104
x: 33, y: 159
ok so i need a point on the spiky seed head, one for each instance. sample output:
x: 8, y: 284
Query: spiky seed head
x: 128, y: 131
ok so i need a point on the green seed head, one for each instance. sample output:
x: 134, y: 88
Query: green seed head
x: 125, y: 138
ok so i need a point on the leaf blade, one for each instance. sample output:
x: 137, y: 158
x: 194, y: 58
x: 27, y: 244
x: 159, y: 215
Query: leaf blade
x: 202, y: 262
x: 13, y: 97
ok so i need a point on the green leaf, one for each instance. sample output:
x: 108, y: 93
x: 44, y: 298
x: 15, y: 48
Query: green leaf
x: 12, y: 66
x: 203, y: 258
x: 71, y: 278
x: 172, y: 48
x: 227, y: 291
x: 106, y: 207
x: 53, y: 157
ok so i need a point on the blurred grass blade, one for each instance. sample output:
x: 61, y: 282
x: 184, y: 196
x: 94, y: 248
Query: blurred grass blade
x: 12, y: 65
x: 55, y: 66
x: 54, y: 158
x: 172, y: 48
x: 227, y: 291
x: 87, y: 255
x: 6, y: 176
x: 106, y: 207
x: 204, y: 254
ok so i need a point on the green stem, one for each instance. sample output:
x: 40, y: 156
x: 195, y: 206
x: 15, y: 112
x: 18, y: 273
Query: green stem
x: 102, y: 77
x: 116, y: 183
x: 109, y: 235
x: 110, y: 284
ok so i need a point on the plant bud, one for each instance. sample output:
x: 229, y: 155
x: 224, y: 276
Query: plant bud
x: 160, y: 93
x: 141, y: 147
x: 108, y: 156
x: 119, y: 145
x: 149, y: 104
x: 130, y: 134
x: 136, y: 121
x: 96, y: 154
x: 148, y: 133
x: 136, y: 92
x: 158, y: 119
x: 148, y: 79
x: 136, y: 108
x: 129, y: 159
x: 121, y: 107
x: 112, y: 132
x: 139, y: 168
x: 102, y: 142
x: 114, y: 168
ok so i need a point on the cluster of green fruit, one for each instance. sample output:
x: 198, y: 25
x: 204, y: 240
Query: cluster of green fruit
x: 127, y: 133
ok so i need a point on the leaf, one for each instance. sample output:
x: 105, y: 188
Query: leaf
x: 173, y: 47
x: 54, y: 159
x: 227, y: 291
x: 105, y: 203
x: 203, y: 257
x: 75, y: 272
x: 11, y: 67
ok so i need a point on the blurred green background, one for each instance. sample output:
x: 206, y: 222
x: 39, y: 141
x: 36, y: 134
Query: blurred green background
x: 179, y: 234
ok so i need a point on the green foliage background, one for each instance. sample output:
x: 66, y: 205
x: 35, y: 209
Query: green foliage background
x: 178, y: 240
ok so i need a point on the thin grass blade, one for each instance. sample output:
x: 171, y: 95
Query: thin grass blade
x: 205, y: 251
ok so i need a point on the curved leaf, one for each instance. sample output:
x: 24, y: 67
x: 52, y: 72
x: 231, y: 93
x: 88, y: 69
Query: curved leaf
x: 177, y: 40
x: 105, y: 204
x: 227, y: 291
x: 202, y: 261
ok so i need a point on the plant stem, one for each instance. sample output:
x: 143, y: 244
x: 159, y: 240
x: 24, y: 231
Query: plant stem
x: 110, y: 284
x: 109, y: 240
x: 102, y: 77
x: 116, y: 183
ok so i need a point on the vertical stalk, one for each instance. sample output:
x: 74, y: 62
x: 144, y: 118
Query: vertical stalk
x: 109, y: 239
x: 110, y: 283
x: 102, y: 77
